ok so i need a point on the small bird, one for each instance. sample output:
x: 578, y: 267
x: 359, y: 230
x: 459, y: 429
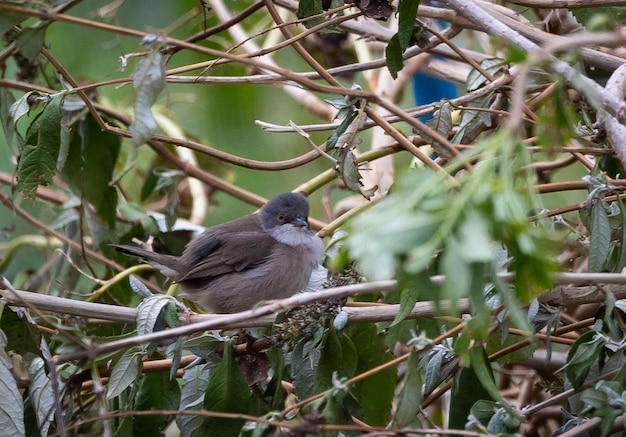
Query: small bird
x: 231, y: 267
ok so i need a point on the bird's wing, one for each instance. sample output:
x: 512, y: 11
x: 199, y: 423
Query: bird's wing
x: 223, y: 251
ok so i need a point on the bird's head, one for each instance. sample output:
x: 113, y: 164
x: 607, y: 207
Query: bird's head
x: 290, y: 209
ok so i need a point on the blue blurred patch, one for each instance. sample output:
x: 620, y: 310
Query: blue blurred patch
x: 428, y: 89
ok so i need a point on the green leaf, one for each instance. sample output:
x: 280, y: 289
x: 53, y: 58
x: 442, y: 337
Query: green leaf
x: 600, y: 18
x: 467, y: 391
x: 516, y: 55
x: 408, y: 299
x: 338, y: 355
x: 31, y: 41
x: 174, y: 352
x: 494, y: 417
x: 433, y: 370
x: 136, y: 213
x: 500, y: 422
x: 582, y: 355
x: 205, y: 346
x: 125, y: 372
x: 308, y: 8
x: 21, y: 107
x: 393, y: 55
x: 170, y: 315
x: 608, y: 420
x: 274, y: 390
x: 478, y: 325
x: 195, y: 383
x: 340, y: 102
x: 6, y: 102
x: 96, y: 227
x: 600, y: 243
x: 594, y: 398
x: 37, y: 164
x: 331, y: 142
x: 413, y: 288
x: 22, y: 333
x: 482, y: 368
x: 151, y: 312
x: 90, y: 165
x: 473, y: 121
x: 495, y: 343
x: 404, y: 235
x: 407, y: 12
x: 10, y: 19
x: 11, y: 403
x: 374, y: 393
x: 226, y: 392
x: 336, y: 3
x: 304, y: 359
x: 514, y: 308
x: 475, y: 79
x: 410, y: 397
x: 334, y: 410
x: 149, y: 185
x: 348, y: 171
x: 483, y: 410
x: 556, y: 120
x: 606, y: 400
x: 139, y: 287
x: 621, y: 261
x: 382, y: 235
x: 156, y: 392
x: 149, y: 81
x: 41, y: 394
x: 442, y: 124
x: 457, y: 273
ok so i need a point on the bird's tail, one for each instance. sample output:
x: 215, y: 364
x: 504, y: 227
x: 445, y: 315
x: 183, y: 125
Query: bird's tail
x: 166, y: 264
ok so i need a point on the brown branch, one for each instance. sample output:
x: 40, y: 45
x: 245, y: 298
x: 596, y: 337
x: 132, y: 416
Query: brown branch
x: 567, y: 4
x: 203, y: 34
x: 68, y: 77
x: 287, y: 74
x: 41, y: 226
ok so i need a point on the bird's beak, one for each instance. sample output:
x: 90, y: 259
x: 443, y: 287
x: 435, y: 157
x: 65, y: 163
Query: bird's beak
x: 300, y: 222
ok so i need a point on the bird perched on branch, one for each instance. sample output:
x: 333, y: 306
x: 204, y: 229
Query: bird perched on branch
x: 231, y: 267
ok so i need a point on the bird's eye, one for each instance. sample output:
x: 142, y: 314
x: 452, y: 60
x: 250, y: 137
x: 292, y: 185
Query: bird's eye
x: 281, y: 218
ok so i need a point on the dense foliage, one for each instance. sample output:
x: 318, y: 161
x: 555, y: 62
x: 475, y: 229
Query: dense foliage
x: 474, y: 235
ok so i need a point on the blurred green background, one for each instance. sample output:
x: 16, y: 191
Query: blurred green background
x: 221, y: 116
